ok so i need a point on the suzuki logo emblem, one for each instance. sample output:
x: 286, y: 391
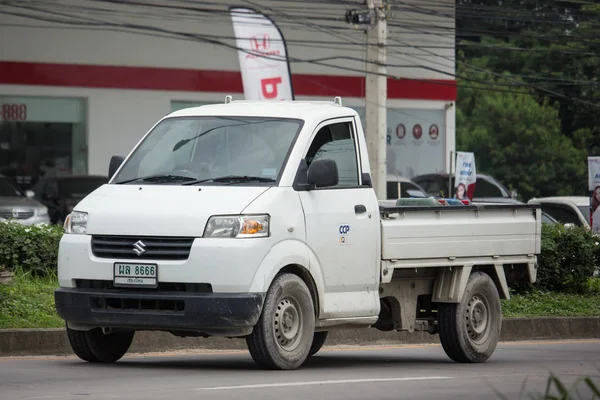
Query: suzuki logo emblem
x: 260, y: 42
x: 139, y: 248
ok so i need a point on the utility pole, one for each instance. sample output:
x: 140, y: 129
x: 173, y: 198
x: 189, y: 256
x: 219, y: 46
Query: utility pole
x: 376, y: 97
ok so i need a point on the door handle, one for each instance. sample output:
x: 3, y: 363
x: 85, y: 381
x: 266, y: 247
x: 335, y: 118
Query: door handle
x: 359, y: 209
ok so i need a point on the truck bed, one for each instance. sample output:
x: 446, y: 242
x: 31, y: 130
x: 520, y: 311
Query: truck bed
x: 456, y: 232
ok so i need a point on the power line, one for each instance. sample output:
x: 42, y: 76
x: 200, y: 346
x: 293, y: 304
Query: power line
x: 318, y: 61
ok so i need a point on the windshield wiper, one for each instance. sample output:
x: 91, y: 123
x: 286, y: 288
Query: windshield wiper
x: 159, y: 178
x: 231, y: 179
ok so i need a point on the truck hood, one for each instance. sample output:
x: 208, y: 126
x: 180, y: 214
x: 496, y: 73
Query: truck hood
x: 162, y: 210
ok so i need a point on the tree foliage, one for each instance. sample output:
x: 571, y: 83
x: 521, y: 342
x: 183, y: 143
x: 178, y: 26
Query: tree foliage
x: 535, y: 142
x: 519, y: 141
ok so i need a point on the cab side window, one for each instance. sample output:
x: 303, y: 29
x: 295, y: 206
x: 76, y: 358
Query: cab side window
x: 336, y: 142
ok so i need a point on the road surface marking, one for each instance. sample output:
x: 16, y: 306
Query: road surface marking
x: 320, y: 383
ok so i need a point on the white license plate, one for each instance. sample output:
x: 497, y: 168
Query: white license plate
x: 126, y: 274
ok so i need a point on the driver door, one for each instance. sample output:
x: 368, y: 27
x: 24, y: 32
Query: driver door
x: 340, y: 229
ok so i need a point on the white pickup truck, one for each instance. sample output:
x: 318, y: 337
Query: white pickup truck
x: 258, y: 220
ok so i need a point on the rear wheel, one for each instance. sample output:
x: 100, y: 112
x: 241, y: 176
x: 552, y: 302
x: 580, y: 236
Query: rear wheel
x: 283, y: 335
x: 95, y: 346
x: 318, y: 342
x: 470, y: 330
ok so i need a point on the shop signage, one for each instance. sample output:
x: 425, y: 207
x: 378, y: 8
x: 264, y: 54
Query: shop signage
x: 13, y: 112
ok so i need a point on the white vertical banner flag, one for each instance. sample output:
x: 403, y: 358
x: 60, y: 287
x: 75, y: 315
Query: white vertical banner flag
x: 465, y: 175
x: 594, y: 187
x: 263, y: 56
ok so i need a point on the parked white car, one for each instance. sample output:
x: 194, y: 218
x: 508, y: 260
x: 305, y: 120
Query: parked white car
x: 568, y: 210
x: 258, y: 220
x: 401, y: 187
x: 19, y: 206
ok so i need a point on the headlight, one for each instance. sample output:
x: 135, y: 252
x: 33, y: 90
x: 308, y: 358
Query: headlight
x: 237, y: 226
x: 42, y: 212
x: 76, y: 222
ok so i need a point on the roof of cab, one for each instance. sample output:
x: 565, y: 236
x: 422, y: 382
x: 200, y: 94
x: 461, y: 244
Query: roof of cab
x: 275, y: 109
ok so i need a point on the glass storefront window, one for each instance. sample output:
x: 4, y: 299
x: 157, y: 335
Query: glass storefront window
x: 42, y: 136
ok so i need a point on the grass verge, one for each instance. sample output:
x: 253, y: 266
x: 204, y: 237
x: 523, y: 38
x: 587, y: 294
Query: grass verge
x: 547, y: 304
x: 28, y: 302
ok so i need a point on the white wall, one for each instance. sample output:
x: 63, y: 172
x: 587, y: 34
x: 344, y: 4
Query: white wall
x: 118, y: 118
x: 410, y: 25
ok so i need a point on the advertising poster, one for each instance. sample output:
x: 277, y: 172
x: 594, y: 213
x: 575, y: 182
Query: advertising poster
x: 594, y: 188
x: 465, y: 175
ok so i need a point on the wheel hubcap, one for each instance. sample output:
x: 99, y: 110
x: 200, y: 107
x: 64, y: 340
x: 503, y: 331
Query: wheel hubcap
x: 287, y: 324
x: 477, y: 318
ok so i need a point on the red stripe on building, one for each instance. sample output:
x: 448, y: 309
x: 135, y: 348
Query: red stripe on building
x: 190, y: 80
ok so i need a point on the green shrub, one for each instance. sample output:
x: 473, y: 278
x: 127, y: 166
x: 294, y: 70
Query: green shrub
x: 567, y: 260
x: 594, y: 285
x: 33, y: 248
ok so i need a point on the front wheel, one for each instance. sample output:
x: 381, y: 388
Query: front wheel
x: 283, y: 335
x: 95, y: 346
x: 470, y: 330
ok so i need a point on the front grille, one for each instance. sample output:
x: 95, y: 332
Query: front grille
x: 155, y: 248
x: 16, y: 214
x: 128, y: 304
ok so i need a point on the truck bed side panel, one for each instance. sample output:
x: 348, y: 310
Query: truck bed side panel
x: 447, y: 232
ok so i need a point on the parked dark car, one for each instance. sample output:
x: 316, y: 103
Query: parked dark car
x: 487, y: 188
x: 61, y: 194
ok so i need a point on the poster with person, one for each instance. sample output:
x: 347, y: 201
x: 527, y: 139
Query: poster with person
x: 594, y: 187
x: 465, y: 175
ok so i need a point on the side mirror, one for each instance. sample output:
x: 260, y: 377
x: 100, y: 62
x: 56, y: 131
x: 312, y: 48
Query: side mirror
x: 323, y: 173
x: 513, y: 194
x: 113, y: 166
x: 30, y: 194
x: 569, y: 225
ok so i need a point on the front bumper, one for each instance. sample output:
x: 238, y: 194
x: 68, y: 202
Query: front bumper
x: 227, y: 314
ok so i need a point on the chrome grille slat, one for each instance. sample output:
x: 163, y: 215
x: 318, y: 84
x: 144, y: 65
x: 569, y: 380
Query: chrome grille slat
x: 18, y: 214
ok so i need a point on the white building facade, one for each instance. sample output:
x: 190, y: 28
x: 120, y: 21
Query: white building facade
x: 81, y: 81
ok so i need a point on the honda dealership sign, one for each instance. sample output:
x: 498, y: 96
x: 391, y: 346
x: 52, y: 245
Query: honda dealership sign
x: 263, y: 56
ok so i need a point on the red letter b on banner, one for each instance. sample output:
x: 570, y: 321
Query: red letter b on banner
x: 269, y: 87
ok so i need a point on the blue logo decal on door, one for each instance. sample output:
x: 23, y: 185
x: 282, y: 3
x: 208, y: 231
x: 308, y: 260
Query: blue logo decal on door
x: 344, y: 231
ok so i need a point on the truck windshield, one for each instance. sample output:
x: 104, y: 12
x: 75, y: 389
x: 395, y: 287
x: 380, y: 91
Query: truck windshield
x: 205, y: 148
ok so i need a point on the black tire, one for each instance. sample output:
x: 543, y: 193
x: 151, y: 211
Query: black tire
x: 95, y: 346
x: 470, y: 330
x: 283, y: 335
x: 318, y: 342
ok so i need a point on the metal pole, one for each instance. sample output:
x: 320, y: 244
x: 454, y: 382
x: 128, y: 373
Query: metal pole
x: 450, y: 175
x: 376, y: 97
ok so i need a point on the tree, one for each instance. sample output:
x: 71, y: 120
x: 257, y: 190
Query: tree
x: 517, y: 139
x: 553, y: 45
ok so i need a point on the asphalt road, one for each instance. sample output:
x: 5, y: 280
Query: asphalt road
x: 391, y: 372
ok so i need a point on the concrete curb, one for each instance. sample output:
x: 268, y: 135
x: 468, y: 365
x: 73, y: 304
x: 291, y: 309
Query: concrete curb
x: 37, y: 342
